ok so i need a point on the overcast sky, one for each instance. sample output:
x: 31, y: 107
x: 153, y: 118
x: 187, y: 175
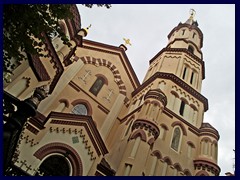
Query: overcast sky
x: 147, y: 27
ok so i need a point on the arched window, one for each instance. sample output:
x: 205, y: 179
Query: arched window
x: 80, y: 109
x: 182, y: 106
x: 184, y: 72
x: 176, y: 139
x: 190, y: 49
x: 192, y: 77
x: 163, y: 131
x: 55, y: 165
x: 98, y: 84
x: 183, y: 31
x: 205, y: 150
x: 190, y: 150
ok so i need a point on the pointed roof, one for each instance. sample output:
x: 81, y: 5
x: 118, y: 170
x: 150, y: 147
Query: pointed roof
x: 191, y: 24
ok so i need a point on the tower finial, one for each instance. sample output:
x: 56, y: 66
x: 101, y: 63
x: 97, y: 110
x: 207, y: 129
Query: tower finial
x: 192, y: 13
x: 84, y: 31
x: 89, y: 26
x: 127, y: 41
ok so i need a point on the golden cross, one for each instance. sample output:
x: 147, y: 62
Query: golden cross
x: 127, y: 41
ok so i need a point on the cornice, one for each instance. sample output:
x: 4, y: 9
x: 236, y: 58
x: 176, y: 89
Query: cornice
x: 158, y: 95
x: 214, y: 168
x: 38, y: 120
x: 147, y: 126
x: 81, y: 120
x: 179, y: 82
x: 184, y: 50
x: 181, y: 25
x: 197, y: 131
x: 186, y: 41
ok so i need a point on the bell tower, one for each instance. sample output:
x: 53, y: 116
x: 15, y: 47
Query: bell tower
x: 167, y: 112
x: 181, y: 64
x: 182, y: 56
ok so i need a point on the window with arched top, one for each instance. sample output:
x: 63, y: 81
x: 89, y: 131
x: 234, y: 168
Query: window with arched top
x: 97, y: 86
x: 183, y: 31
x: 190, y: 147
x: 190, y: 49
x: 163, y: 131
x: 80, y: 109
x: 184, y: 72
x: 176, y: 139
x: 182, y: 107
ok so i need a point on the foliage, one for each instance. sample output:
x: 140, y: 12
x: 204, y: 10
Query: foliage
x: 99, y: 5
x: 23, y: 25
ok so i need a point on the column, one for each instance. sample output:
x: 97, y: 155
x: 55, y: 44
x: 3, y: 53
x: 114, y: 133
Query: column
x: 170, y: 105
x: 154, y: 163
x: 188, y: 75
x: 180, y: 67
x: 209, y: 148
x: 177, y: 105
x: 143, y: 111
x: 66, y: 77
x: 202, y: 147
x: 158, y: 109
x: 195, y: 79
x: 112, y: 116
x: 195, y: 114
x: 127, y: 170
x: 162, y: 131
x: 135, y: 147
x: 61, y: 107
x: 164, y: 171
x: 175, y: 172
x: 186, y: 112
x: 189, y: 151
x: 190, y: 115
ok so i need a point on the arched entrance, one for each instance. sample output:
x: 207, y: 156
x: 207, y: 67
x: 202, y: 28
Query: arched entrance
x: 55, y: 165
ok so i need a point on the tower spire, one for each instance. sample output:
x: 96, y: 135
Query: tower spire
x: 190, y: 20
x: 192, y: 13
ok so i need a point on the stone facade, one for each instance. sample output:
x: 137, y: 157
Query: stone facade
x: 99, y: 120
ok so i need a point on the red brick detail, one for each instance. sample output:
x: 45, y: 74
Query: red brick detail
x: 109, y: 65
x: 157, y: 153
x: 176, y: 123
x: 38, y: 68
x: 139, y: 133
x: 62, y: 148
x: 32, y: 129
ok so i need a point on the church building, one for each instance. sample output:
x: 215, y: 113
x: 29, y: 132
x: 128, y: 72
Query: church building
x: 99, y: 120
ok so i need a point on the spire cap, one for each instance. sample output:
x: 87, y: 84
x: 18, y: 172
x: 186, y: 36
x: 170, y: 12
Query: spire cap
x: 190, y: 20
